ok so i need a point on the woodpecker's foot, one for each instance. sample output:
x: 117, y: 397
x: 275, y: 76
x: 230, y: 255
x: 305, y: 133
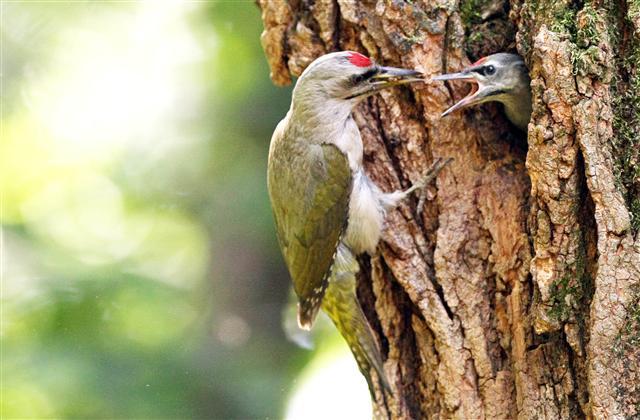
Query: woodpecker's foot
x: 432, y: 172
x: 391, y: 200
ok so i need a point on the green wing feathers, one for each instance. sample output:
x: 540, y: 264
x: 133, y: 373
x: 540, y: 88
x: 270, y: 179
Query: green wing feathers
x: 310, y: 187
x: 309, y: 192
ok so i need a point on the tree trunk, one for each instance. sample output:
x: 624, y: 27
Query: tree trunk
x: 514, y: 292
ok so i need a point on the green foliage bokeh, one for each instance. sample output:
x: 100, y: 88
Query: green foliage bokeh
x: 141, y: 277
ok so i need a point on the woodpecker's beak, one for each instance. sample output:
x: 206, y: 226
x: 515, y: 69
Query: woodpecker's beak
x: 478, y: 92
x: 384, y: 77
x: 391, y: 76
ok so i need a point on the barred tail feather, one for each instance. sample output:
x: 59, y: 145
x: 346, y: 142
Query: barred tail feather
x: 341, y: 304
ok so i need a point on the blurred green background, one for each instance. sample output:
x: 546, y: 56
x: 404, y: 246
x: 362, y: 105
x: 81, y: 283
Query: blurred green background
x: 141, y: 277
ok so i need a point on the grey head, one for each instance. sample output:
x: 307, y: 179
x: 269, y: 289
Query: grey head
x: 348, y: 76
x: 499, y: 77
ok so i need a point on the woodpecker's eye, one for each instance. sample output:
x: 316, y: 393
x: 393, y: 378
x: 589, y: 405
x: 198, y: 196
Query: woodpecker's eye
x: 359, y: 78
x: 486, y: 70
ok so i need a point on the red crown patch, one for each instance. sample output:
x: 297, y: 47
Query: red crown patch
x: 359, y: 60
x: 482, y: 60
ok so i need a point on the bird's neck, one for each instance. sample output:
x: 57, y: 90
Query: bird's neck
x: 326, y: 117
x: 517, y: 106
x: 328, y: 122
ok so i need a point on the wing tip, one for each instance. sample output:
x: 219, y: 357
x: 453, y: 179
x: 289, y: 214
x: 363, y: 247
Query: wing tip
x: 304, y: 323
x: 309, y: 306
x: 307, y: 313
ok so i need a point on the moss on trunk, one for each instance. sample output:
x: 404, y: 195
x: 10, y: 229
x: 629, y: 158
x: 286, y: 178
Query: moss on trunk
x: 513, y: 293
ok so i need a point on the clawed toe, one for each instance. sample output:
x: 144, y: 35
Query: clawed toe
x: 432, y: 172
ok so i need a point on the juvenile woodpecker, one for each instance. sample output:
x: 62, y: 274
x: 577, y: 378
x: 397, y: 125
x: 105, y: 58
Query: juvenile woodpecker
x: 326, y: 209
x: 499, y: 77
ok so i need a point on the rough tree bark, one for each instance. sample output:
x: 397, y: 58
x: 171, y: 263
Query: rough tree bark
x: 514, y: 292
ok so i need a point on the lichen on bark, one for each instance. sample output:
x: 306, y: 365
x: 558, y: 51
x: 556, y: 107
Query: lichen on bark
x: 626, y: 103
x: 510, y: 294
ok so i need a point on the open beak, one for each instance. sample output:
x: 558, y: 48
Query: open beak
x: 476, y: 95
x: 386, y: 77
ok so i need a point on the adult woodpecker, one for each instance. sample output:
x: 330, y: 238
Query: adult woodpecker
x: 326, y: 209
x: 499, y: 77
